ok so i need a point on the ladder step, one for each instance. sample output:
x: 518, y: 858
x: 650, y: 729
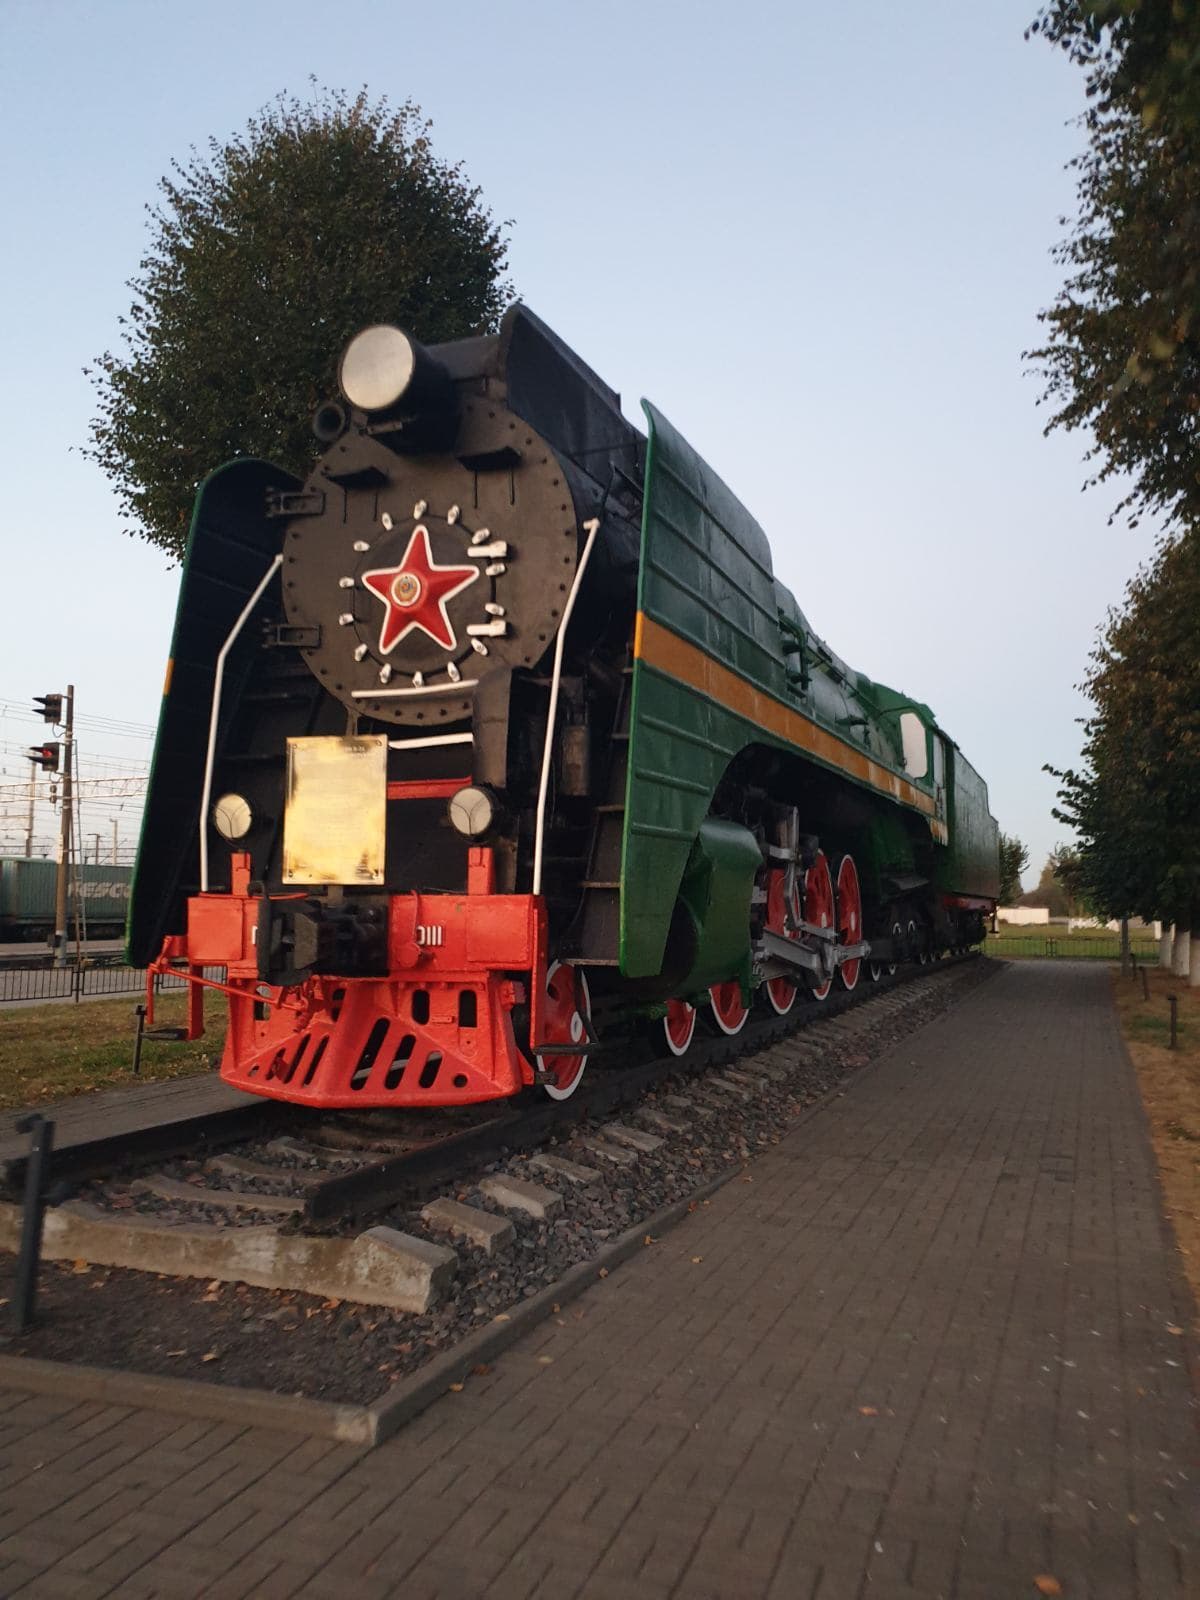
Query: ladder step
x: 613, y: 808
x: 597, y: 883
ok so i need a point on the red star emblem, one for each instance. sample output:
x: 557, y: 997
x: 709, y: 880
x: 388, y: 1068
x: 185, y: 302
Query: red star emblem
x: 415, y: 593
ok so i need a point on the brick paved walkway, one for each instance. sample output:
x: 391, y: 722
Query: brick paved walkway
x: 922, y: 1348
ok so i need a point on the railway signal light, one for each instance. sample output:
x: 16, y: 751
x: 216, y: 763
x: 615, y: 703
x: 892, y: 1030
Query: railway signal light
x: 50, y: 705
x: 45, y: 755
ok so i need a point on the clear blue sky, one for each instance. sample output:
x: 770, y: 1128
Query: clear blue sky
x: 816, y: 236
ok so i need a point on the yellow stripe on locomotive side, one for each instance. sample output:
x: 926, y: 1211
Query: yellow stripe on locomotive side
x: 678, y: 658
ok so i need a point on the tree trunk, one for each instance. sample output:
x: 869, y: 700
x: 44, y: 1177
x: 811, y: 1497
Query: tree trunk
x: 1164, y: 946
x: 1194, y: 960
x: 1124, y: 947
x: 1181, y: 952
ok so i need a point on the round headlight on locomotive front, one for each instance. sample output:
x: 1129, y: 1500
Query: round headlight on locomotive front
x: 377, y: 367
x: 232, y: 816
x: 473, y: 811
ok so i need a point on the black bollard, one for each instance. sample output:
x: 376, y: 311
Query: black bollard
x: 1173, y: 1002
x: 140, y: 1013
x: 41, y: 1141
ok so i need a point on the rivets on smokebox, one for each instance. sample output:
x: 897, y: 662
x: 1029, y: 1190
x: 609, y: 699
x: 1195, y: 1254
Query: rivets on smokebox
x: 481, y: 535
x: 454, y: 674
x: 386, y: 520
x: 346, y: 618
x: 479, y: 647
x: 360, y: 651
x: 385, y: 672
x: 421, y: 507
x: 345, y: 583
x: 361, y: 546
x: 452, y: 515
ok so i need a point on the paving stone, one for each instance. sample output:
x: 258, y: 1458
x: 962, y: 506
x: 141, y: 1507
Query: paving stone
x: 559, y: 1167
x: 646, y: 1143
x: 515, y: 1194
x: 478, y: 1227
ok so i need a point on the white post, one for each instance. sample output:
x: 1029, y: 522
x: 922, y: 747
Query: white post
x: 1181, y: 952
x: 1164, y: 946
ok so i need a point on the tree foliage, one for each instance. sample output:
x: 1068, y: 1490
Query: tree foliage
x: 1135, y: 799
x: 265, y: 256
x: 1122, y: 355
x: 1014, y: 858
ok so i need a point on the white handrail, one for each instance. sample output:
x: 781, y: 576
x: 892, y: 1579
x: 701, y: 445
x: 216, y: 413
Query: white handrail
x: 591, y: 528
x: 218, y: 680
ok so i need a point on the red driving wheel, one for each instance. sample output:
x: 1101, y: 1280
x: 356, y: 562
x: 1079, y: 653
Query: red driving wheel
x: 728, y: 1009
x: 679, y: 1025
x: 849, y: 917
x: 567, y: 1005
x: 818, y: 908
x: 781, y: 992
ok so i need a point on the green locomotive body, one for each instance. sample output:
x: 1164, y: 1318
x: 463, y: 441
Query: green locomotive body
x: 498, y: 733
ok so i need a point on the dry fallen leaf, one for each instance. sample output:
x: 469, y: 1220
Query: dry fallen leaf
x: 868, y: 1411
x: 81, y: 1266
x: 481, y: 1369
x: 545, y: 1361
x: 456, y: 1388
x: 696, y: 1260
x: 209, y: 1355
x: 556, y: 1306
x: 177, y: 1352
x: 1045, y: 1584
x: 330, y: 1305
x: 213, y: 1284
x: 649, y: 1239
x: 502, y: 1316
x: 603, y: 1273
x: 1175, y: 1329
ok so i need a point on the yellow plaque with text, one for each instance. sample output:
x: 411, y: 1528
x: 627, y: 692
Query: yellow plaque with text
x: 335, y: 818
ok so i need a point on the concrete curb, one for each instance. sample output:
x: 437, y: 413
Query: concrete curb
x: 323, y: 1419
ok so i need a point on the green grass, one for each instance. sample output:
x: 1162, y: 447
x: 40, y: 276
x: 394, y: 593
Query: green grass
x: 50, y: 1052
x: 1013, y: 942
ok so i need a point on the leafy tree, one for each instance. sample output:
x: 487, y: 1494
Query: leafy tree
x: 1135, y: 798
x: 1014, y: 858
x: 1122, y: 355
x: 1066, y: 868
x: 1055, y: 886
x: 265, y: 256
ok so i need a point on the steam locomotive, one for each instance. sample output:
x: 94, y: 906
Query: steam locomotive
x: 497, y: 734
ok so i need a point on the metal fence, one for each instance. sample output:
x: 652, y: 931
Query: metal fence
x: 1071, y: 947
x: 31, y: 982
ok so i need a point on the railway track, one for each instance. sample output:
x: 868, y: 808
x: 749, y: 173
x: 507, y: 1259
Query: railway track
x: 323, y: 1170
x: 414, y: 1212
